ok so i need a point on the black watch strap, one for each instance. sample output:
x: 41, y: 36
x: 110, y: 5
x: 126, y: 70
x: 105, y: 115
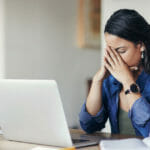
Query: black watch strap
x: 127, y: 92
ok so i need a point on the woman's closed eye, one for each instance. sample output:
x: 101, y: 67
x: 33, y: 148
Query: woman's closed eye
x: 121, y: 51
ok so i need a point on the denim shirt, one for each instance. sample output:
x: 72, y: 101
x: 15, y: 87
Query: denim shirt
x: 139, y: 113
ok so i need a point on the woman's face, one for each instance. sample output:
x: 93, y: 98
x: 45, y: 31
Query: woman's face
x: 130, y: 53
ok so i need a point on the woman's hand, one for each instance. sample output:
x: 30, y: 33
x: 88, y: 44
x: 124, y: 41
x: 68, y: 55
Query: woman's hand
x: 117, y: 67
x: 101, y: 74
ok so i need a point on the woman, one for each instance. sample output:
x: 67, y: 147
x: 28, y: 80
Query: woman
x: 120, y: 90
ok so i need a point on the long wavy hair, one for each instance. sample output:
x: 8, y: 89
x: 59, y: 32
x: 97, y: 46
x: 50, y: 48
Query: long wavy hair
x: 130, y: 25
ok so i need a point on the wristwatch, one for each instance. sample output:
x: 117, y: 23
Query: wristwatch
x: 134, y: 88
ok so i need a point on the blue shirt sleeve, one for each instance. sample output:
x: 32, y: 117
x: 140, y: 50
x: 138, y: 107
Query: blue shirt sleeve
x: 140, y: 116
x: 91, y: 123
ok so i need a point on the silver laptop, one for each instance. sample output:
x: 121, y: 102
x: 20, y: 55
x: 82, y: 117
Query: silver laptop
x: 31, y: 111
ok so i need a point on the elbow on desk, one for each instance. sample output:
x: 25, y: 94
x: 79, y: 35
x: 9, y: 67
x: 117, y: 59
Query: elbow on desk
x: 90, y: 128
x: 86, y: 128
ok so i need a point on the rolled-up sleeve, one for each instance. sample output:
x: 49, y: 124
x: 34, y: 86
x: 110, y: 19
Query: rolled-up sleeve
x: 140, y: 116
x: 91, y: 123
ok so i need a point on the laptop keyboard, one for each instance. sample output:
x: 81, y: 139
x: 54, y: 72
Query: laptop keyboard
x: 78, y: 140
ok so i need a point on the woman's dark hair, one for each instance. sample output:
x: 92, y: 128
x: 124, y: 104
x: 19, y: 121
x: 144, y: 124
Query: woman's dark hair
x: 130, y: 25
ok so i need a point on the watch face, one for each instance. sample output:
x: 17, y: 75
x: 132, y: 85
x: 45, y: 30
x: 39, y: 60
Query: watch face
x: 134, y: 88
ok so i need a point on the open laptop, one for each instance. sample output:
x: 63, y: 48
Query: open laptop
x: 31, y: 111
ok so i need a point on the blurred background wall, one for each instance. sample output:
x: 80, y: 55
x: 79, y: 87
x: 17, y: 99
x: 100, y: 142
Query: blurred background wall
x: 2, y: 40
x: 41, y: 43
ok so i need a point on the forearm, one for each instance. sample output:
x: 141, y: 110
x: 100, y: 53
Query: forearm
x: 94, y: 100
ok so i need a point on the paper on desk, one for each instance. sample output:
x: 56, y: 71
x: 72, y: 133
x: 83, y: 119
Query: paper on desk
x: 147, y: 141
x: 123, y: 144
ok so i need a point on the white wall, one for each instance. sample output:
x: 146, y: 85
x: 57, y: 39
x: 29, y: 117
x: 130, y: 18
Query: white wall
x: 41, y: 44
x: 2, y: 39
x: 109, y: 6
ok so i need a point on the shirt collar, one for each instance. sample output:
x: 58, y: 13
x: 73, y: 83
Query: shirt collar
x: 115, y: 84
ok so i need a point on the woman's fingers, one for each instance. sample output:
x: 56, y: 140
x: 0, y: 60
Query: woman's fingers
x: 119, y: 58
x: 108, y: 65
x: 110, y: 59
x: 112, y: 55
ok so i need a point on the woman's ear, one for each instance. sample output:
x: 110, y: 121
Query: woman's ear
x: 142, y: 48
